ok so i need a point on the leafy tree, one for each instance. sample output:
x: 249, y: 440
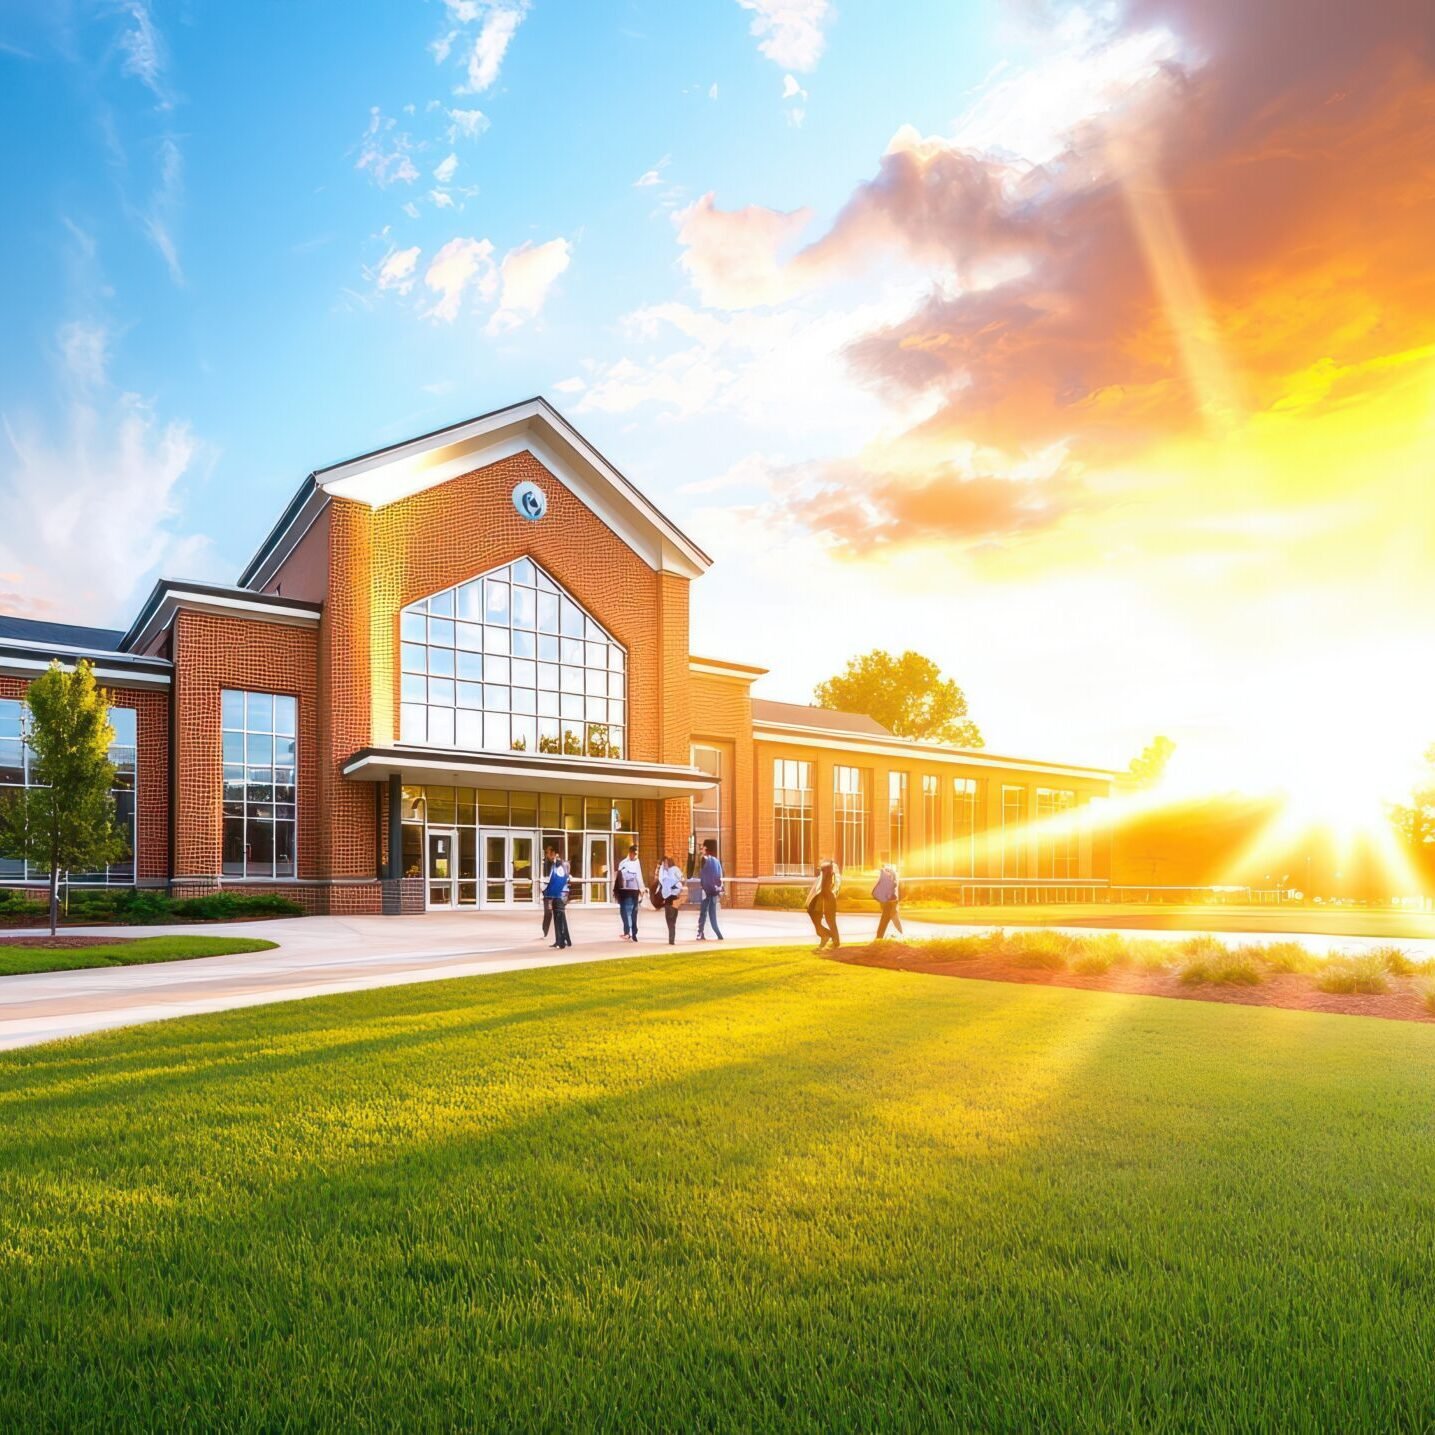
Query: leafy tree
x: 1415, y: 821
x: 65, y: 821
x: 906, y: 694
x: 1148, y: 766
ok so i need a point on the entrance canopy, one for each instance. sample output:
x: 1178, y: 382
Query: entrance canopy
x: 528, y: 772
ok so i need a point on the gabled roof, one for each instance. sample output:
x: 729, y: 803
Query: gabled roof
x: 169, y: 594
x: 534, y: 426
x: 824, y: 719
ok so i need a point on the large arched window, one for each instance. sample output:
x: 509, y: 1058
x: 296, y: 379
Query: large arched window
x: 508, y: 662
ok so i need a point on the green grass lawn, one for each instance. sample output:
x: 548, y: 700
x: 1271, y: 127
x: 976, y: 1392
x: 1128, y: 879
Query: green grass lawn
x: 747, y: 1189
x: 16, y: 959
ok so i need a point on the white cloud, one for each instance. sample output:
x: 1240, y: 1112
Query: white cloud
x: 443, y: 46
x: 791, y: 89
x: 445, y: 170
x: 384, y: 153
x: 158, y: 221
x: 713, y: 90
x: 491, y: 45
x: 648, y: 177
x: 466, y: 124
x: 410, y: 208
x: 441, y: 199
x: 90, y: 508
x: 790, y: 32
x: 84, y: 346
x: 460, y: 264
x: 398, y: 269
x: 144, y: 50
x: 528, y: 273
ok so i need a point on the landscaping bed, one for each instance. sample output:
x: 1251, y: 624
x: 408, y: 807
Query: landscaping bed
x: 131, y: 906
x: 23, y: 955
x: 1383, y: 982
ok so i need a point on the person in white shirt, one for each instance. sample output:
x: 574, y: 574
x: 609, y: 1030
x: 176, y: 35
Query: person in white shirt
x: 673, y: 889
x: 629, y: 887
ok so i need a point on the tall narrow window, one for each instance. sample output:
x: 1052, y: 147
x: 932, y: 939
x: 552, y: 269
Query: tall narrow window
x: 708, y: 806
x: 935, y: 863
x: 510, y: 663
x: 792, y: 817
x: 1014, y: 833
x: 261, y: 774
x: 897, y: 815
x: 1055, y: 832
x: 16, y: 772
x: 850, y: 789
x: 966, y: 801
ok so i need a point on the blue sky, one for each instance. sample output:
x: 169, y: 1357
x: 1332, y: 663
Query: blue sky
x: 962, y: 326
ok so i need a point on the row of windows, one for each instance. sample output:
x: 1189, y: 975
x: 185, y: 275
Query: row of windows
x: 259, y: 734
x: 955, y: 854
x: 16, y: 761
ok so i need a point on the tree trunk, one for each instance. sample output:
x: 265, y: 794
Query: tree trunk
x: 54, y: 899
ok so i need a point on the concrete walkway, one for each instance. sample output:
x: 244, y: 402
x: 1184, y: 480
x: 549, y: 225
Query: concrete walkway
x: 318, y: 956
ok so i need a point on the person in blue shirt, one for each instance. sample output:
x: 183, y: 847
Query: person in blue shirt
x: 556, y: 892
x: 710, y: 879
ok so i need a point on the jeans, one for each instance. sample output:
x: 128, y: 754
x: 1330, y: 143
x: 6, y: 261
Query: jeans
x: 889, y: 915
x: 628, y: 907
x: 547, y: 914
x: 707, y: 914
x: 560, y: 923
x: 670, y: 912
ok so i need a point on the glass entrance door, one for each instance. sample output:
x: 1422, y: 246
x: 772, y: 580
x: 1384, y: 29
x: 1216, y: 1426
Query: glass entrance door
x: 598, y: 869
x: 441, y: 852
x: 509, y: 878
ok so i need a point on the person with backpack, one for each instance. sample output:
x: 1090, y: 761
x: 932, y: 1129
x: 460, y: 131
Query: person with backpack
x: 671, y: 890
x: 556, y: 892
x: 887, y: 893
x: 822, y: 904
x: 710, y: 879
x: 629, y: 888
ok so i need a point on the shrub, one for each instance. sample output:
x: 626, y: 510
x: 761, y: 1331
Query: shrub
x: 1149, y: 954
x: 1094, y: 955
x: 236, y: 904
x: 955, y: 949
x: 1207, y: 960
x: 1286, y: 957
x: 1427, y: 995
x: 1364, y: 975
x: 787, y: 899
x: 1396, y: 961
x: 1038, y: 951
x: 17, y: 902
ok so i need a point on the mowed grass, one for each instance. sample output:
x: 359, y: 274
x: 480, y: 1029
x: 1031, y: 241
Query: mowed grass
x: 15, y: 960
x: 741, y: 1190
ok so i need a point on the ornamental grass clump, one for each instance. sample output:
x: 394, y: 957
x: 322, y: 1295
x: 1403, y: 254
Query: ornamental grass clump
x: 1397, y: 961
x: 955, y: 949
x: 1286, y: 957
x: 1040, y: 951
x: 1094, y: 956
x: 1365, y: 975
x: 1205, y: 960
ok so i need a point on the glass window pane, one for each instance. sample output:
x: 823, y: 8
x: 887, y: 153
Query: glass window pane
x: 123, y: 722
x: 441, y: 692
x: 470, y: 695
x: 548, y: 738
x: 615, y: 742
x: 470, y: 601
x: 495, y: 669
x: 284, y: 751
x: 495, y: 732
x: 232, y: 709
x: 525, y: 608
x: 570, y: 620
x: 283, y: 849
x: 572, y: 738
x: 547, y: 703
x: 10, y: 715
x: 596, y: 709
x: 442, y: 807
x: 440, y: 632
x: 495, y: 698
x: 524, y: 645
x: 470, y: 667
x: 259, y: 712
x: 442, y: 604
x: 572, y: 651
x: 547, y: 648
x: 413, y: 723
x: 548, y: 676
x: 470, y: 636
x: 615, y: 685
x: 234, y: 747
x: 572, y: 680
x: 523, y: 571
x: 286, y: 715
x: 468, y: 730
x: 525, y: 700
x: 595, y: 655
x: 525, y: 734
x: 441, y: 727
x: 12, y: 762
x: 232, y: 855
x: 259, y: 748
x: 525, y: 674
x: 571, y: 705
x: 596, y: 683
x: 547, y: 613
x: 495, y: 640
x: 413, y: 689
x: 413, y: 658
x: 412, y: 627
x: 260, y: 840
x: 441, y: 662
x: 496, y: 602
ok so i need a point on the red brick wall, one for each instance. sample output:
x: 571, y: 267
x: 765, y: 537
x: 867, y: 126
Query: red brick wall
x: 722, y: 714
x: 151, y: 707
x: 215, y: 653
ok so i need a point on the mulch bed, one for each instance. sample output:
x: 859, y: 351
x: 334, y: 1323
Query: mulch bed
x: 63, y: 944
x: 1296, y: 991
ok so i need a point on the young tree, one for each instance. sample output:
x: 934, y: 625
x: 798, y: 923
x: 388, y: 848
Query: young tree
x: 906, y: 694
x: 1415, y: 821
x: 65, y: 820
x: 1148, y: 766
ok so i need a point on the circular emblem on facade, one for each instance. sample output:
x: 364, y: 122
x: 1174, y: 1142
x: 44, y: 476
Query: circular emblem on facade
x: 530, y: 501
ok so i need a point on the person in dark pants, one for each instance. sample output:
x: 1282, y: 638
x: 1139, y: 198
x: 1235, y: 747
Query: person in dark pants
x: 547, y: 900
x: 672, y: 889
x: 822, y: 904
x: 887, y: 893
x: 710, y: 879
x: 556, y: 891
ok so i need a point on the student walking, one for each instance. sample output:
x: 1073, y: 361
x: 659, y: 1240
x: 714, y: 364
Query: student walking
x: 629, y: 887
x: 547, y: 900
x: 822, y: 904
x: 710, y: 879
x: 887, y: 893
x: 672, y: 891
x: 556, y: 892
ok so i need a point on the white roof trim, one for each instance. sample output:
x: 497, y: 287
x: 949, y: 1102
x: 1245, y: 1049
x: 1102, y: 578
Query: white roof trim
x: 912, y: 750
x: 223, y: 606
x: 379, y: 479
x: 110, y: 677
